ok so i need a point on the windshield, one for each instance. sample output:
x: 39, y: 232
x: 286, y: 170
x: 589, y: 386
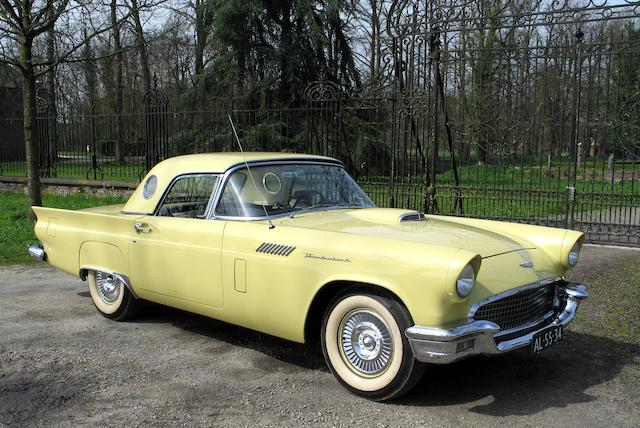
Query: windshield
x: 287, y: 189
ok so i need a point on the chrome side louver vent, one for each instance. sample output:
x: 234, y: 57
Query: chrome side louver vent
x: 416, y: 216
x: 275, y: 249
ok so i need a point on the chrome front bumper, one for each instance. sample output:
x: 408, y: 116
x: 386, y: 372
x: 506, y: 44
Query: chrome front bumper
x: 37, y: 252
x: 442, y: 346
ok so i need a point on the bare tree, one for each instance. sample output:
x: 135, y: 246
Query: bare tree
x: 118, y: 102
x: 22, y: 22
x: 202, y: 23
x: 372, y: 15
x: 142, y: 46
x: 51, y: 88
x: 173, y: 54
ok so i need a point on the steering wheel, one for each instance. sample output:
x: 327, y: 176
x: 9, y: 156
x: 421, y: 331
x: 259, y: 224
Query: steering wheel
x: 307, y: 197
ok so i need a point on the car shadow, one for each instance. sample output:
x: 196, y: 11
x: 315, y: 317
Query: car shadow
x: 510, y: 384
x: 283, y: 350
x: 520, y: 384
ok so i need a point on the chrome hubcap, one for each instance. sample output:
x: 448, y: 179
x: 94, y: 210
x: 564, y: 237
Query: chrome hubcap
x: 108, y: 287
x: 366, y: 342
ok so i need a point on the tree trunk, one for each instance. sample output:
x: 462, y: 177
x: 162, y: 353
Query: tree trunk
x: 201, y: 36
x: 118, y: 98
x: 374, y: 43
x: 51, y: 96
x: 29, y: 117
x: 286, y: 43
x: 142, y: 46
x: 90, y: 73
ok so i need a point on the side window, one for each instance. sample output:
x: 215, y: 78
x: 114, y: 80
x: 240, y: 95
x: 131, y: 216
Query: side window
x: 188, y: 196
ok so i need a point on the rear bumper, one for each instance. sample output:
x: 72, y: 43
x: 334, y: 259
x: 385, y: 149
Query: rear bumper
x: 36, y: 251
x: 442, y: 346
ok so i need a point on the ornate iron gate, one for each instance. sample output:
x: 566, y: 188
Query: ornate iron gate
x: 156, y: 133
x: 523, y: 111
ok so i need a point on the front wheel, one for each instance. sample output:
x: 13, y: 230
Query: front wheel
x: 365, y: 347
x: 111, y: 296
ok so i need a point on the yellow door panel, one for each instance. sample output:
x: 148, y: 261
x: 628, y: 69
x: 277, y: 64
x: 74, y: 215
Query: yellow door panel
x: 178, y: 257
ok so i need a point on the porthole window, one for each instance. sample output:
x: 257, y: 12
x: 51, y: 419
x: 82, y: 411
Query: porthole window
x: 271, y: 183
x: 150, y: 187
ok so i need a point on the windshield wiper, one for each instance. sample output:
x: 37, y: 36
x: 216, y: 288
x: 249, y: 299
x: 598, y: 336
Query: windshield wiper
x: 313, y: 207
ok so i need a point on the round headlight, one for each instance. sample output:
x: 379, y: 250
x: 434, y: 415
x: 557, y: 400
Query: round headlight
x: 574, y: 253
x: 466, y: 281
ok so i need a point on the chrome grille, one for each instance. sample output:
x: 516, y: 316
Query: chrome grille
x: 519, y: 309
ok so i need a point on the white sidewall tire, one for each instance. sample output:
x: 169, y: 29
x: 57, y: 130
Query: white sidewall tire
x: 335, y: 356
x: 104, y: 307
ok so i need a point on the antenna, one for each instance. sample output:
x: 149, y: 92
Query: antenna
x: 271, y: 226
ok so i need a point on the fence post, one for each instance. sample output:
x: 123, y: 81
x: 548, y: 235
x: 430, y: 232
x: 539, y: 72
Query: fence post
x: 575, y: 132
x: 42, y: 136
x: 434, y: 46
x: 155, y: 126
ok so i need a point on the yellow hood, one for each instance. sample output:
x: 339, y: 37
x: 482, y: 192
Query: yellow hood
x: 385, y: 223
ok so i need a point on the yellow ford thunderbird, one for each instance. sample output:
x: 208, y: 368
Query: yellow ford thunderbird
x: 291, y: 246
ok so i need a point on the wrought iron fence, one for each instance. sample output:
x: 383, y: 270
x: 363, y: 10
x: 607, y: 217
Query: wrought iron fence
x: 523, y: 111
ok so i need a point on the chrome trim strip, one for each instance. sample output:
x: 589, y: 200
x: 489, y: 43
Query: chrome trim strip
x: 208, y: 212
x: 440, y: 346
x: 508, y: 293
x: 526, y: 326
x: 312, y: 159
x: 36, y: 251
x: 438, y: 334
x: 126, y: 281
x: 282, y: 215
x: 133, y: 213
x: 122, y: 277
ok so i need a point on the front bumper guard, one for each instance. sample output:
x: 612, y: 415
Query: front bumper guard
x: 442, y: 346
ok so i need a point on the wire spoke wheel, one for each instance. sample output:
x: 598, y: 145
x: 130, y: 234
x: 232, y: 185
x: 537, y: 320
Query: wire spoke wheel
x: 109, y: 287
x: 111, y: 296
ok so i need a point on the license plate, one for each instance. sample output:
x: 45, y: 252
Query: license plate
x: 546, y: 338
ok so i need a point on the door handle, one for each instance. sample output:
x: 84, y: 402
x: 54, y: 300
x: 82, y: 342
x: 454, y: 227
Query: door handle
x: 141, y: 229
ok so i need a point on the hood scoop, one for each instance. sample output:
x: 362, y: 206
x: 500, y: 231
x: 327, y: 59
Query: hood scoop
x: 414, y: 216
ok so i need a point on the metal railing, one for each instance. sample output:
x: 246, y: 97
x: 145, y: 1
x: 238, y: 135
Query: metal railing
x: 520, y: 111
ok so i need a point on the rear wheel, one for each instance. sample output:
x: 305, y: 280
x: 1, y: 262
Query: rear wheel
x: 365, y: 347
x: 111, y: 296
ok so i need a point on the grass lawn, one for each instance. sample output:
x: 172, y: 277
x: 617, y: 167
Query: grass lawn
x: 16, y: 232
x: 540, y: 177
x: 82, y: 171
x: 515, y: 192
x: 590, y: 176
x: 613, y: 306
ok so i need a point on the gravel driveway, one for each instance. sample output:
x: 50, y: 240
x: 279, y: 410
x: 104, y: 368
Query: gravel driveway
x: 62, y: 364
